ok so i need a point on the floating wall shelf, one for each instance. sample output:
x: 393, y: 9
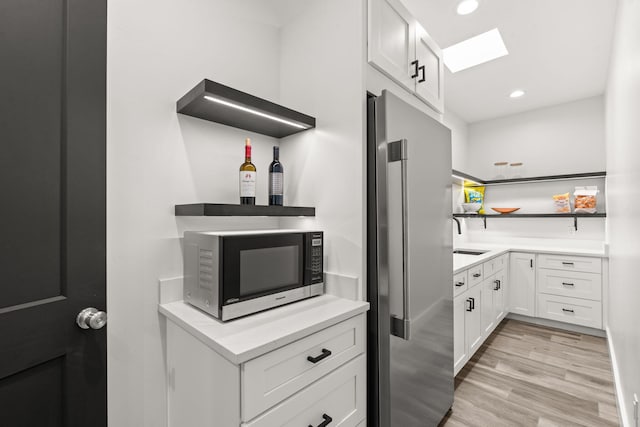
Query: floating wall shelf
x: 221, y: 104
x: 575, y: 216
x: 459, y: 177
x: 219, y: 209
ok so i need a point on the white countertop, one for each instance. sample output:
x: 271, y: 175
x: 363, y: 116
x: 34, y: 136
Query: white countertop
x: 243, y: 339
x: 462, y: 262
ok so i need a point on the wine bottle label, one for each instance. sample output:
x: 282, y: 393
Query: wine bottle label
x: 247, y: 184
x: 275, y: 184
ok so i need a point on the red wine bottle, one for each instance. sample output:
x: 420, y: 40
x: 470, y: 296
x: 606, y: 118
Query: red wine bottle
x: 276, y: 179
x: 247, y: 177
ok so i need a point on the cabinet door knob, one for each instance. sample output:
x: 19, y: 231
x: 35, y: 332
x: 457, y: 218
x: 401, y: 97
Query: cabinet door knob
x: 415, y: 69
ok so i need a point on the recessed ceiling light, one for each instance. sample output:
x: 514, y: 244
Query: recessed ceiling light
x: 465, y: 7
x: 516, y: 93
x: 474, y: 51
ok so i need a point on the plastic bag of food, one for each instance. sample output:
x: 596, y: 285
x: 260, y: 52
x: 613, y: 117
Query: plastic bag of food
x: 585, y: 199
x: 474, y: 195
x: 562, y: 203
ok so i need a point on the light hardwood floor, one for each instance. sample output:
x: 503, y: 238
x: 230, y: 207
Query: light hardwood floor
x: 530, y: 375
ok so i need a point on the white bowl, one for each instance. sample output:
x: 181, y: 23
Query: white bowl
x: 471, y: 207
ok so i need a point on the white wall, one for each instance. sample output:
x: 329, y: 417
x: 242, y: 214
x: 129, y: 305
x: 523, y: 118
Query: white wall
x: 322, y: 72
x: 157, y: 158
x: 565, y: 138
x: 623, y: 199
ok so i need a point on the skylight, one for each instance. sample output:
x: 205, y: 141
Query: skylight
x: 477, y: 50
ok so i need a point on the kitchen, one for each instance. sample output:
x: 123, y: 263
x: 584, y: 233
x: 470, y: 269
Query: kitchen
x: 311, y: 56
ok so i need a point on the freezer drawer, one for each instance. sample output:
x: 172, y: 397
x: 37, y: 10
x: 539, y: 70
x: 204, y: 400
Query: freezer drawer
x: 570, y: 310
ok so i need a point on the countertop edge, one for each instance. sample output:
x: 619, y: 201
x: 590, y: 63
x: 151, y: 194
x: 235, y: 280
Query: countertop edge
x: 494, y: 252
x: 296, y: 326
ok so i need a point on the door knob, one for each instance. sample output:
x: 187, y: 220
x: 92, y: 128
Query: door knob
x: 91, y: 318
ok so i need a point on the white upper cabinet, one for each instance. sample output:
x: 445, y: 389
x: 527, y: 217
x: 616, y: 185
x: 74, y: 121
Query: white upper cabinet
x: 399, y: 47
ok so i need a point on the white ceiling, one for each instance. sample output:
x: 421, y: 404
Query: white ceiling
x: 558, y: 52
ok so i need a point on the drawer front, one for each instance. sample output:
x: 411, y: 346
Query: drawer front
x: 570, y: 310
x: 339, y: 396
x: 570, y: 284
x: 273, y: 377
x: 460, y: 283
x: 488, y: 268
x: 570, y: 263
x: 500, y: 263
x: 475, y: 275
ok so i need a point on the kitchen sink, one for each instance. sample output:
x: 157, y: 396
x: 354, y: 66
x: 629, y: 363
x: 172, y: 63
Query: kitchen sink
x: 468, y: 252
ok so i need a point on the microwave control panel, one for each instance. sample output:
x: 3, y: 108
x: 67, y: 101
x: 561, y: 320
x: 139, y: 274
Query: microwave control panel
x: 315, y: 245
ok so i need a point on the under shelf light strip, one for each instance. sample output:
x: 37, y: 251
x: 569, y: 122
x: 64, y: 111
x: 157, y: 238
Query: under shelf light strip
x: 466, y: 179
x: 256, y: 112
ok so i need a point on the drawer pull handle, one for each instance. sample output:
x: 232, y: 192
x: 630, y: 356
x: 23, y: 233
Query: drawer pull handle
x: 567, y: 263
x: 477, y: 275
x: 568, y: 310
x: 458, y: 284
x: 327, y: 419
x: 470, y: 308
x: 567, y: 284
x: 497, y: 282
x: 325, y: 353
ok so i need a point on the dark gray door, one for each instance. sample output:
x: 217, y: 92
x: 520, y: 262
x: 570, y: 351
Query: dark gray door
x: 52, y: 211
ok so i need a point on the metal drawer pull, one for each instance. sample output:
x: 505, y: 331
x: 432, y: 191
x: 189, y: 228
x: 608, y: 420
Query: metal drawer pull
x: 567, y: 284
x: 325, y: 353
x: 568, y: 310
x: 477, y: 275
x: 327, y: 419
x: 497, y: 283
x: 470, y: 308
x: 458, y: 284
x: 567, y: 263
x: 415, y: 71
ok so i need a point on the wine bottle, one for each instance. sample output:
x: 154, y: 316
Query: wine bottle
x: 247, y: 177
x: 276, y: 179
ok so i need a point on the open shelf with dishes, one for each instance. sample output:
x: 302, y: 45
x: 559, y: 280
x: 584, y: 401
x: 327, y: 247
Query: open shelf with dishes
x: 575, y: 216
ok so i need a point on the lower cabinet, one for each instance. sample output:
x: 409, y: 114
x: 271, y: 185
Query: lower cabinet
x: 319, y: 379
x: 522, y: 289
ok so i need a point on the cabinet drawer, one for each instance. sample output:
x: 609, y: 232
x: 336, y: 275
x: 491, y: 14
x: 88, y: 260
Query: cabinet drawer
x: 570, y: 284
x: 460, y: 283
x: 493, y: 266
x: 273, y: 377
x: 570, y: 263
x: 340, y: 396
x: 475, y: 275
x: 570, y: 310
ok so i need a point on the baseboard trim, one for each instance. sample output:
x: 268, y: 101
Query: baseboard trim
x: 622, y: 408
x: 558, y: 325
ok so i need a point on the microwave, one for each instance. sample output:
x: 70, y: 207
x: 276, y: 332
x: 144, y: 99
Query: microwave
x: 231, y: 274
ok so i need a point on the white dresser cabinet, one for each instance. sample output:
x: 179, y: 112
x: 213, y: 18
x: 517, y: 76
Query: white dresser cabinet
x: 277, y: 368
x: 570, y: 289
x: 400, y: 48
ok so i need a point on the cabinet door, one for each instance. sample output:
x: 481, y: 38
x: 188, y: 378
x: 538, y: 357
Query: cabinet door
x: 472, y: 326
x: 429, y: 83
x: 487, y: 318
x: 391, y: 47
x: 499, y: 301
x: 460, y: 306
x: 522, y: 284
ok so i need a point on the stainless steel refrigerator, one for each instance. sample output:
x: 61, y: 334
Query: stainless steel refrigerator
x: 410, y: 265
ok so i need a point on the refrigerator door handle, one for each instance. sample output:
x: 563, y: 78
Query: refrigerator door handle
x: 400, y: 326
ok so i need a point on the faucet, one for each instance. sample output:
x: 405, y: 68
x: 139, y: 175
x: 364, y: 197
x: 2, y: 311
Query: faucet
x: 457, y: 222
